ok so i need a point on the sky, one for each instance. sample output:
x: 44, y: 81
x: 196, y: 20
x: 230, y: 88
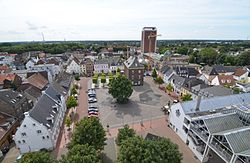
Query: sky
x: 27, y: 20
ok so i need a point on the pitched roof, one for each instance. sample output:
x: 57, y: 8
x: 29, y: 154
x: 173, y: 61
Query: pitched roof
x: 11, y: 97
x: 226, y: 80
x: 209, y: 70
x: 43, y: 73
x: 33, y: 91
x: 52, y: 92
x: 102, y: 61
x: 239, y: 71
x: 190, y: 82
x: 177, y: 79
x: 133, y: 62
x: 186, y: 71
x: 65, y: 80
x: 216, y: 90
x: 9, y: 77
x: 38, y: 81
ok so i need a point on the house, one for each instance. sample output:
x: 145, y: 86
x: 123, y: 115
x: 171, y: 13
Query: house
x: 224, y: 80
x: 115, y: 63
x: 244, y: 87
x: 241, y: 75
x: 177, y: 82
x: 65, y: 80
x: 7, y: 59
x: 38, y: 80
x: 50, y: 68
x: 188, y: 84
x: 88, y: 67
x: 101, y: 65
x: 10, y: 81
x: 188, y: 72
x: 224, y: 70
x: 207, y: 91
x: 74, y: 67
x: 41, y: 125
x: 31, y: 92
x: 134, y: 70
x: 14, y: 103
x: 8, y: 125
x: 167, y: 75
x: 214, y: 128
x: 208, y: 74
x: 31, y: 63
x: 5, y: 69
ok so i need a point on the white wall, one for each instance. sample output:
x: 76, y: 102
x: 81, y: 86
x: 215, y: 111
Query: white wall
x: 215, y: 81
x: 73, y: 67
x: 99, y: 67
x: 33, y: 141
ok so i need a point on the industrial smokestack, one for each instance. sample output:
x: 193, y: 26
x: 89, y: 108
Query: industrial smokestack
x: 197, y: 108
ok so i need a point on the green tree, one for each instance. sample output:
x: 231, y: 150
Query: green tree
x: 94, y: 80
x: 182, y: 50
x: 208, y: 56
x: 89, y: 131
x: 169, y: 87
x: 71, y: 102
x: 81, y: 153
x: 103, y: 79
x: 37, y: 157
x: 68, y: 121
x: 118, y: 70
x: 77, y: 77
x: 236, y: 90
x: 243, y: 59
x: 73, y: 91
x: 135, y: 149
x: 124, y: 133
x: 121, y: 89
x: 186, y: 97
x: 154, y: 73
x: 159, y: 80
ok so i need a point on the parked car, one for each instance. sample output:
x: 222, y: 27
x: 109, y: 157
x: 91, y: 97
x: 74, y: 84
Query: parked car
x: 92, y: 100
x: 91, y: 91
x: 93, y: 109
x: 93, y: 113
x: 5, y: 150
x: 175, y: 101
x: 92, y: 95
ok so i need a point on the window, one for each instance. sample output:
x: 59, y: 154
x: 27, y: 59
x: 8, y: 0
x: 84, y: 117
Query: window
x: 34, y: 124
x: 139, y: 71
x: 178, y: 113
x: 223, y: 81
x: 139, y: 76
x: 39, y: 131
x: 24, y: 126
x: 133, y: 71
x: 139, y: 82
x: 23, y: 141
x: 47, y: 137
x: 43, y: 137
x: 19, y: 141
x: 23, y: 134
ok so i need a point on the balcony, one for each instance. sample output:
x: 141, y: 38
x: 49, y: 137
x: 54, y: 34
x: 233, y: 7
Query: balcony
x: 199, y: 132
x: 223, y: 152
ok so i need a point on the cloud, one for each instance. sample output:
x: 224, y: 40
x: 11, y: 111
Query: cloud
x: 32, y: 26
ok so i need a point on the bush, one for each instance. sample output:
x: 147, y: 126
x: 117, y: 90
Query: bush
x: 94, y: 80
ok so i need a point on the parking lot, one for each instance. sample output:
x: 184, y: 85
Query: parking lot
x: 145, y: 103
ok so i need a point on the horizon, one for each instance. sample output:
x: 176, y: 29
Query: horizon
x: 76, y: 20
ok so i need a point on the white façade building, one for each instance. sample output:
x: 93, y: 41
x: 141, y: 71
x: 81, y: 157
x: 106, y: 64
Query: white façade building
x: 215, y: 128
x: 41, y: 126
x: 101, y: 65
x: 52, y: 69
x: 74, y: 67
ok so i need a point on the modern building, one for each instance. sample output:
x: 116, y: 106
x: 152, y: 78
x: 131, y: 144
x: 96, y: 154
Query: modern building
x: 14, y: 103
x: 41, y: 125
x: 148, y: 40
x: 134, y: 70
x: 216, y: 129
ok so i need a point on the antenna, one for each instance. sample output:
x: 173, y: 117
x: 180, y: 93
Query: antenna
x: 43, y: 36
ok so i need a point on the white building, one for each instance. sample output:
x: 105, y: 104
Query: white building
x: 101, y: 65
x: 115, y: 63
x: 51, y: 68
x: 74, y: 67
x: 31, y: 63
x: 41, y: 126
x: 7, y: 59
x: 215, y: 128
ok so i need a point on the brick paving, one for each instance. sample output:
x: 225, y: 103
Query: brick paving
x: 159, y: 127
x: 79, y: 112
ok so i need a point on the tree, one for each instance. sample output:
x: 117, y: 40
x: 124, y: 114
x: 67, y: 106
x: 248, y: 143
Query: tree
x: 37, y: 157
x: 71, y: 102
x: 73, y: 91
x: 103, y: 78
x: 159, y: 80
x: 118, y: 70
x: 169, y: 87
x: 121, y: 89
x: 186, y: 97
x: 154, y: 73
x: 208, y: 56
x: 94, y: 80
x: 243, y: 59
x: 182, y: 50
x: 124, y: 133
x: 81, y: 153
x: 68, y: 121
x: 89, y: 131
x: 135, y: 149
x: 77, y: 77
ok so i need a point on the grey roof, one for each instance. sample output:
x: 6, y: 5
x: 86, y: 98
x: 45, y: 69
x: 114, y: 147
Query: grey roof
x: 215, y: 102
x: 177, y: 79
x: 59, y: 88
x: 33, y: 91
x: 190, y: 82
x: 216, y: 91
x: 65, y: 80
x: 165, y: 69
x: 223, y: 123
x: 43, y: 110
x: 133, y: 62
x: 209, y: 70
x: 52, y: 92
x: 11, y: 98
x: 115, y: 61
x: 186, y: 71
x: 240, y: 141
x: 102, y: 61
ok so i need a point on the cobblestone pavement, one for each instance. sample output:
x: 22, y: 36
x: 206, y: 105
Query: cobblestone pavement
x: 11, y: 156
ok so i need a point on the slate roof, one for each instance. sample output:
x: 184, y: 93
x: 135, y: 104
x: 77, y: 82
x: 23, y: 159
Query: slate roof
x: 177, y: 79
x: 65, y: 80
x: 11, y: 98
x: 52, y: 92
x: 133, y: 62
x: 164, y: 69
x: 216, y: 91
x: 102, y: 61
x: 190, y: 82
x: 33, y: 91
x: 214, y: 102
x: 209, y: 70
x: 115, y: 61
x: 186, y: 71
x: 43, y: 110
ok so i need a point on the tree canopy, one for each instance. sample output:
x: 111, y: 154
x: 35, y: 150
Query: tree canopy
x: 37, y: 157
x: 154, y: 73
x: 81, y: 153
x: 136, y: 149
x: 124, y: 133
x: 186, y: 97
x: 89, y: 131
x: 159, y: 80
x: 121, y: 89
x: 71, y: 102
x: 169, y: 87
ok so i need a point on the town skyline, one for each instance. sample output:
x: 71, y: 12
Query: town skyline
x: 122, y: 20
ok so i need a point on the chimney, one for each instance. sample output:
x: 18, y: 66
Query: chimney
x: 197, y: 108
